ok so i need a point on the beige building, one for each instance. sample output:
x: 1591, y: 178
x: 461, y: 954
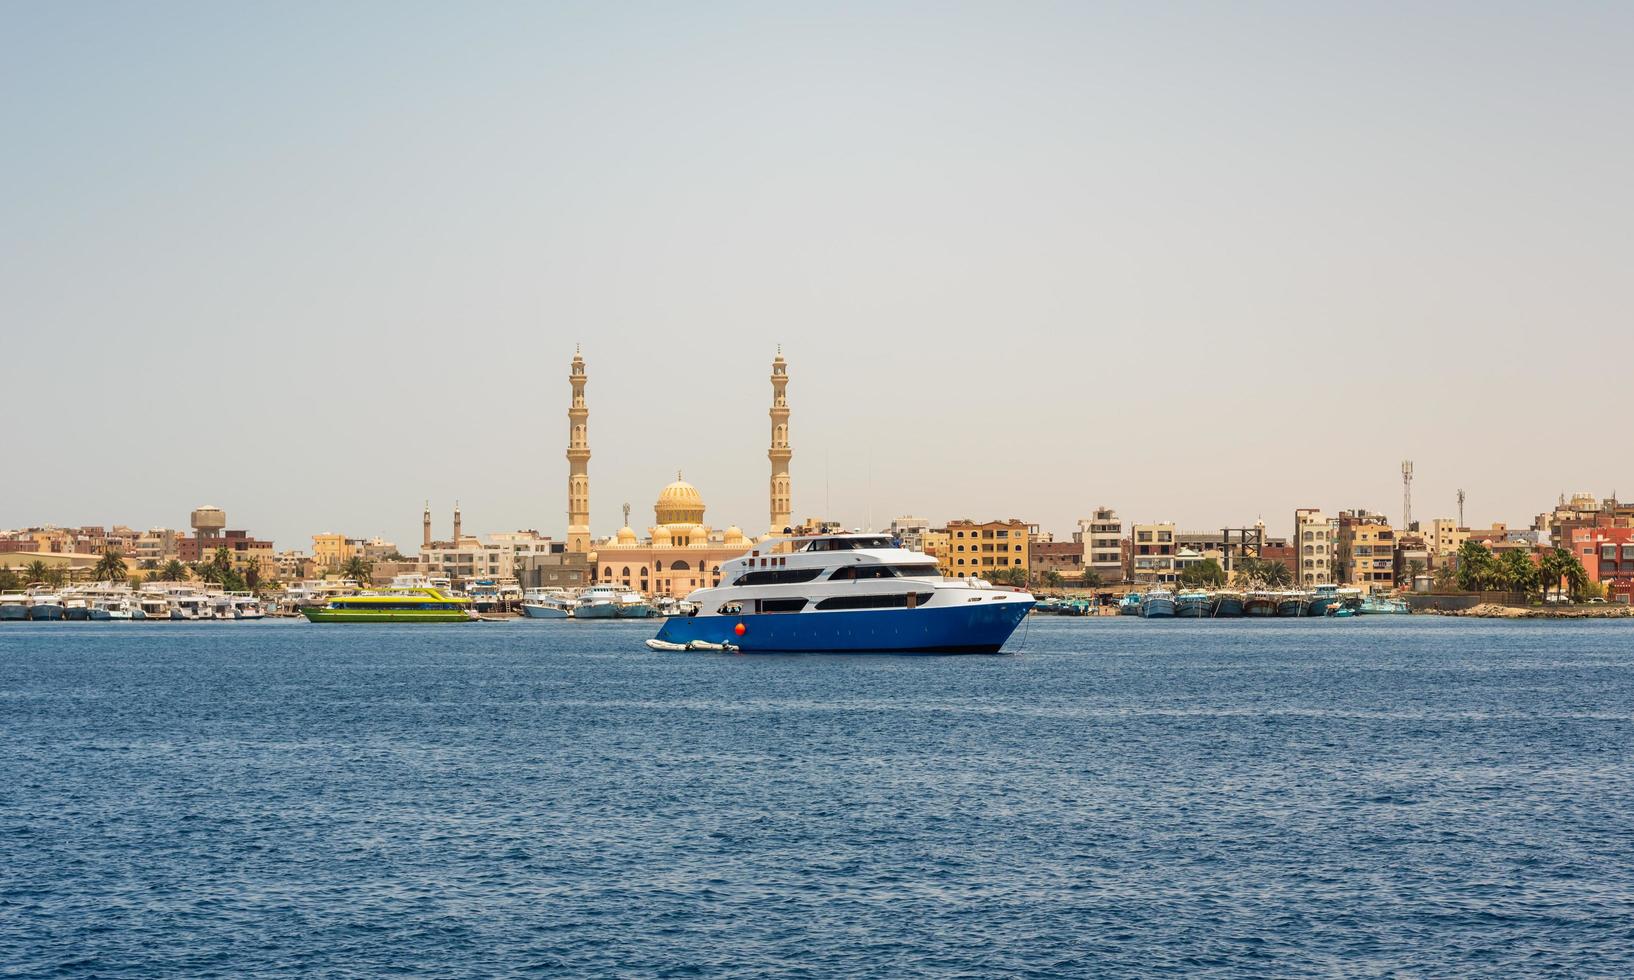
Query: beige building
x: 1442, y: 539
x: 935, y: 542
x: 1366, y: 554
x: 976, y: 549
x: 1102, y: 537
x: 1152, y: 553
x: 1316, y: 538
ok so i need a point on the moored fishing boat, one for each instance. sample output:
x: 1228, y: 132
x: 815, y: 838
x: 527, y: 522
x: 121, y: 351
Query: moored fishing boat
x: 1260, y: 603
x: 845, y: 593
x: 393, y: 606
x: 1322, y: 598
x: 1383, y: 606
x: 1192, y: 604
x: 1129, y: 605
x: 1290, y: 604
x: 1157, y: 603
x: 1227, y: 605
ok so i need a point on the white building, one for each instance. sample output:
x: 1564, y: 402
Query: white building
x: 912, y: 532
x: 495, y: 558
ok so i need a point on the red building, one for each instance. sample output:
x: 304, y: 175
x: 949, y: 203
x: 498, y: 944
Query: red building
x: 1607, y: 554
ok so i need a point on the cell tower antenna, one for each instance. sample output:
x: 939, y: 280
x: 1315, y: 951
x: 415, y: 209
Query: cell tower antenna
x: 1406, y: 493
x: 1461, y: 508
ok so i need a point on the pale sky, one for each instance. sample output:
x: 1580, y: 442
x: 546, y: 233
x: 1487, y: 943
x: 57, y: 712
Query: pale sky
x: 315, y: 263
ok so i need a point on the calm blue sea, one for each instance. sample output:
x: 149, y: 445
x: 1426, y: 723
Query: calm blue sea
x: 1122, y: 797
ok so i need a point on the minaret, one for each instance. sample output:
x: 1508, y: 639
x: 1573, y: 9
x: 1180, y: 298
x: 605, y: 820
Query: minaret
x: 425, y: 528
x: 780, y: 452
x: 456, y: 523
x: 578, y: 462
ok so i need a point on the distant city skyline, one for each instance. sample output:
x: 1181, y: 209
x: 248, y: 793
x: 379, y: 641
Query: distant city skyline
x: 317, y: 265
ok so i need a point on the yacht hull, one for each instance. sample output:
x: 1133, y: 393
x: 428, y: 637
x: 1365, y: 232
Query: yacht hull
x: 536, y: 610
x: 947, y: 629
x: 13, y: 611
x: 635, y: 610
x: 44, y: 611
x: 599, y: 610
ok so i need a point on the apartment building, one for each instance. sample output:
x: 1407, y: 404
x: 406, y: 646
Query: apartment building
x: 1152, y: 553
x: 1316, y: 535
x: 976, y: 548
x: 1366, y: 551
x: 1102, y: 538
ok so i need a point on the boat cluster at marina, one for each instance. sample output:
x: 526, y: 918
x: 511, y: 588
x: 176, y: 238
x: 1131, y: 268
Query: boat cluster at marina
x: 1321, y: 602
x: 109, y: 601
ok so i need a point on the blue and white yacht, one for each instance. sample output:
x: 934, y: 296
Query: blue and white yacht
x: 845, y: 593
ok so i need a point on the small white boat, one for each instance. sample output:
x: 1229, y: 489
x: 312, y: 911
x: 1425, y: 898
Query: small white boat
x: 664, y: 645
x: 706, y: 645
x: 246, y: 606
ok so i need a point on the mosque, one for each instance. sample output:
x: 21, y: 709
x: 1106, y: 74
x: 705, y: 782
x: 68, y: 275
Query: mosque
x: 680, y: 552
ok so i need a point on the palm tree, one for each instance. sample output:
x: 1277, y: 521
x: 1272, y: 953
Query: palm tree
x: 358, y: 569
x: 1446, y: 579
x: 1415, y: 568
x: 1577, y: 577
x: 8, y: 580
x: 1517, y: 572
x: 174, y: 571
x: 110, y: 567
x: 37, y: 571
x: 1276, y: 574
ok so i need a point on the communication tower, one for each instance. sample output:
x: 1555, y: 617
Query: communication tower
x: 1406, y: 493
x: 1461, y: 508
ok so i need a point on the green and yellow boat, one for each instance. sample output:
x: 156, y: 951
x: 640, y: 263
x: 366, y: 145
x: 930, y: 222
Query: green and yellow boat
x: 394, y: 606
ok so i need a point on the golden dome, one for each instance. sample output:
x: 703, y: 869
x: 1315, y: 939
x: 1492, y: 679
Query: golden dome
x: 660, y: 535
x: 700, y: 536
x: 626, y: 535
x: 679, y: 503
x: 734, y: 535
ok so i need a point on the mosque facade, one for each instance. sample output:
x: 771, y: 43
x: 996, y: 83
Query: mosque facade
x: 679, y: 552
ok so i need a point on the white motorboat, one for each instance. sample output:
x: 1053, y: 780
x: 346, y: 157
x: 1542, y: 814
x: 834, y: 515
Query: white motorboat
x: 633, y: 605
x: 547, y: 604
x: 598, y: 602
x: 44, y: 605
x: 13, y: 606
